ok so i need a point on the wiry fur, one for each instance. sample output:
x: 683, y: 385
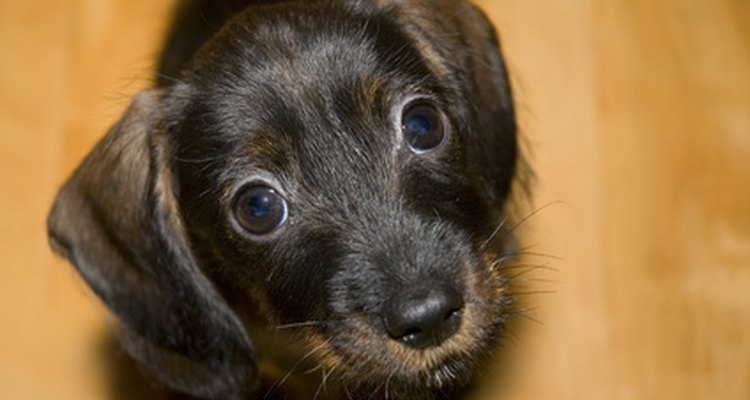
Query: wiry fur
x: 303, y: 94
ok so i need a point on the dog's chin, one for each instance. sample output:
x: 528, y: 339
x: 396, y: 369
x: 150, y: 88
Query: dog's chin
x: 367, y: 362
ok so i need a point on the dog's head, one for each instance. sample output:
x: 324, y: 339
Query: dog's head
x: 345, y: 168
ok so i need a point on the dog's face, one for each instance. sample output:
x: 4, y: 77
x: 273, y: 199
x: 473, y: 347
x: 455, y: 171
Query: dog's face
x: 344, y: 167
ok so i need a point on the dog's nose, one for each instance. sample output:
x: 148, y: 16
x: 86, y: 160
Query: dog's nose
x: 424, y: 315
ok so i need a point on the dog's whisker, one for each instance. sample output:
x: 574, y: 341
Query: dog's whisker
x: 500, y: 225
x: 526, y: 253
x: 530, y: 318
x: 512, y: 337
x: 388, y: 382
x: 376, y: 390
x: 514, y: 267
x: 168, y: 78
x: 538, y: 254
x: 324, y: 379
x: 527, y: 310
x: 281, y: 382
x: 533, y: 292
x: 501, y: 261
x: 299, y: 325
x: 313, y: 369
x: 526, y: 269
x: 320, y: 385
x: 198, y: 160
x: 346, y: 390
x: 519, y: 311
x: 518, y: 282
x: 534, y: 213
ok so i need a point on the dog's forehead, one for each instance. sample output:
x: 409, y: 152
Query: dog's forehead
x: 307, y: 82
x: 299, y: 54
x: 297, y: 41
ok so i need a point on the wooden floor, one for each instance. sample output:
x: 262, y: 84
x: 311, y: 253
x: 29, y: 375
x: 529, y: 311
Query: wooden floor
x: 637, y: 117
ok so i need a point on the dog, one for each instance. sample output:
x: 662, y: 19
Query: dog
x: 312, y: 190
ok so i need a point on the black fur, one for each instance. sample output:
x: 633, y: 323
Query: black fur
x: 303, y: 95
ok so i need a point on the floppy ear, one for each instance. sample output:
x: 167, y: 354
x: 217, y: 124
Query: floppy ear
x: 117, y: 220
x: 495, y: 150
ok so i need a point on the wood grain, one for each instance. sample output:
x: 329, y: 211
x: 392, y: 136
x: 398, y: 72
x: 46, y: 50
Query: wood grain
x: 637, y: 120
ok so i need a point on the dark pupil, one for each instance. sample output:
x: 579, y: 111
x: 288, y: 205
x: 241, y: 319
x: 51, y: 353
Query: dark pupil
x: 260, y: 210
x: 261, y: 205
x: 419, y: 125
x: 423, y: 129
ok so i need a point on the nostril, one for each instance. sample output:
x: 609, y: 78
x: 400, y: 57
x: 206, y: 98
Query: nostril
x: 452, y: 313
x: 424, y: 316
x: 410, y: 335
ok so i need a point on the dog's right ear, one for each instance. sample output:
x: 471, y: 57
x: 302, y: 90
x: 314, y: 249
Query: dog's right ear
x: 118, y: 221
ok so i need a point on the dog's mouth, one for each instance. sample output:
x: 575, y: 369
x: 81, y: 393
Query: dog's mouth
x: 368, y: 353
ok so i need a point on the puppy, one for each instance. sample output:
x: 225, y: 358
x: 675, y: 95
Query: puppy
x: 313, y: 188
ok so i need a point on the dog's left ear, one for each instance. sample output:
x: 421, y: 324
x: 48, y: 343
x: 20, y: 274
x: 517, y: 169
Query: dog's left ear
x: 118, y: 221
x: 495, y: 146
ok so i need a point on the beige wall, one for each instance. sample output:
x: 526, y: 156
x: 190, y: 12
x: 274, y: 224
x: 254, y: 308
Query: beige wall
x: 637, y: 114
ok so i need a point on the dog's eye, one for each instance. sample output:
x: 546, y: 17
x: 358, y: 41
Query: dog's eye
x: 259, y: 209
x: 422, y: 127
